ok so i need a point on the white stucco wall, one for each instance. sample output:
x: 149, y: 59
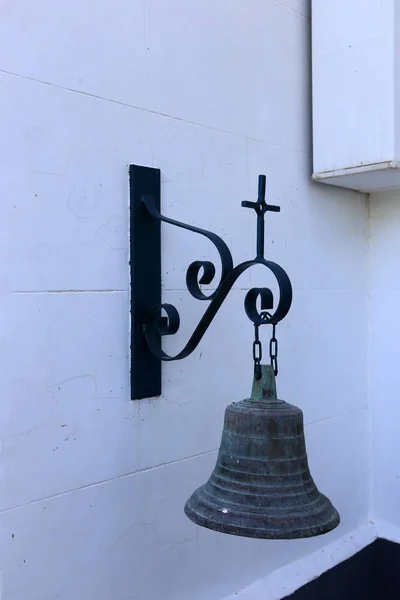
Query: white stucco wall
x: 353, y: 67
x: 213, y: 93
x: 384, y: 298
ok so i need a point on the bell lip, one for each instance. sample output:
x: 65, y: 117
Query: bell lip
x: 259, y: 533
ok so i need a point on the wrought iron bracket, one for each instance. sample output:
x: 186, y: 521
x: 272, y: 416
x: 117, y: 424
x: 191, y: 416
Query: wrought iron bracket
x: 150, y: 319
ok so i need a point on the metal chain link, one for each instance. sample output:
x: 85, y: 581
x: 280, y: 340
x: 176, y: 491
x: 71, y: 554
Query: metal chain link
x: 257, y: 349
x: 273, y: 350
x: 257, y: 353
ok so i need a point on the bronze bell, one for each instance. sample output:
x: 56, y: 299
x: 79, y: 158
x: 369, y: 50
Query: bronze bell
x: 261, y: 486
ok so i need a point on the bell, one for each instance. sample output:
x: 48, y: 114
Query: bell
x: 261, y: 486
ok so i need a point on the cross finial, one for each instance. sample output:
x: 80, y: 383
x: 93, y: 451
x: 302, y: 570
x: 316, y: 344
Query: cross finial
x: 260, y: 207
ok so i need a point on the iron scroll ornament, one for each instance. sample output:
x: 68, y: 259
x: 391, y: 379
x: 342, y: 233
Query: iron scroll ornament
x: 156, y: 325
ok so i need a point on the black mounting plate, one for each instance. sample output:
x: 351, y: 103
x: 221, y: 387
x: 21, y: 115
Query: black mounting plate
x: 145, y: 270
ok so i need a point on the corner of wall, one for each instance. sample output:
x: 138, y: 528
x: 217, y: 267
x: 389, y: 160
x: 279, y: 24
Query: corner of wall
x: 368, y: 361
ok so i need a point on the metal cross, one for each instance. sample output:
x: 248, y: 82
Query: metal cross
x: 261, y: 207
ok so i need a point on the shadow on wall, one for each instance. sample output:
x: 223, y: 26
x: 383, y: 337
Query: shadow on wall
x: 371, y: 574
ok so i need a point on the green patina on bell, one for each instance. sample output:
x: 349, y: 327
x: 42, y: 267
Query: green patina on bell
x: 261, y: 486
